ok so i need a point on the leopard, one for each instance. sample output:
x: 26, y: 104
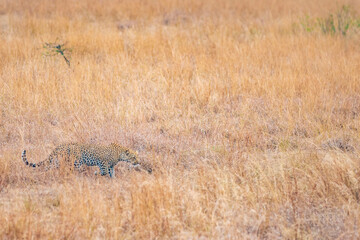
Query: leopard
x: 79, y: 155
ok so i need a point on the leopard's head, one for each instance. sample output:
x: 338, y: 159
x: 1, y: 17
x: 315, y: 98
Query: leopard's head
x: 124, y: 154
x: 143, y: 166
x: 131, y: 157
x: 136, y: 163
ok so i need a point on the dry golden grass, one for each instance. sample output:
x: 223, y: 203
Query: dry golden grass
x: 250, y: 119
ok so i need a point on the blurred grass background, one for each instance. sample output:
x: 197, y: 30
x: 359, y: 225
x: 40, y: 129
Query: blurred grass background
x: 248, y: 111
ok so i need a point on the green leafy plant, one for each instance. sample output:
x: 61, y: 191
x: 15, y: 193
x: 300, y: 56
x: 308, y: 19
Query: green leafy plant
x: 344, y: 20
x: 338, y: 23
x: 53, y: 49
x: 327, y: 25
x: 307, y: 24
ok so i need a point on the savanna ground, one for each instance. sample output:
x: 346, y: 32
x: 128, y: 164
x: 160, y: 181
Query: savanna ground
x: 248, y: 111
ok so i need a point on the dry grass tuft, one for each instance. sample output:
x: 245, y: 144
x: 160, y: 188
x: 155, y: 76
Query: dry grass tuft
x: 248, y: 112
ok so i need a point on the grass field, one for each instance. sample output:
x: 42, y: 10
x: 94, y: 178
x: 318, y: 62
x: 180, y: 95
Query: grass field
x: 248, y: 111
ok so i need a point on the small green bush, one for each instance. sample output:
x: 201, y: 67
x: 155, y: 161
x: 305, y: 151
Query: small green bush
x: 336, y: 23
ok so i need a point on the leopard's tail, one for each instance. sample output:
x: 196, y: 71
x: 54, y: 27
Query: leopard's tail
x: 24, y: 158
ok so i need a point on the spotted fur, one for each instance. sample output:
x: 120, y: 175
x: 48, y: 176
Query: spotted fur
x: 77, y: 154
